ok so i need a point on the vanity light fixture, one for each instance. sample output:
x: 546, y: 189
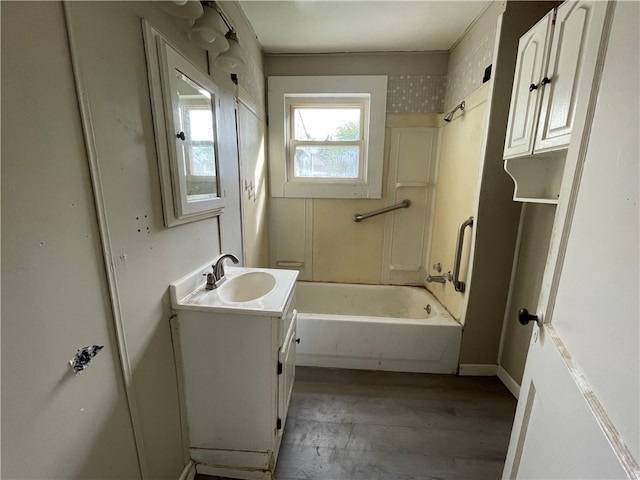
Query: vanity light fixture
x: 208, y: 31
x: 232, y: 60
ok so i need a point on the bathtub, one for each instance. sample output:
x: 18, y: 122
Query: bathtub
x: 375, y: 327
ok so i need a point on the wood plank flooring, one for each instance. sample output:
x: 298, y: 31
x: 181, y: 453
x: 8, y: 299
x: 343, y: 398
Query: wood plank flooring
x: 362, y: 425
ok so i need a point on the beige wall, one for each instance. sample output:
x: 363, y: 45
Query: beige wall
x: 143, y: 258
x: 423, y: 63
x: 456, y: 193
x: 535, y: 236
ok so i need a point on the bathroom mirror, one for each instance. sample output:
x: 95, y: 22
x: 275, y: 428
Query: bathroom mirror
x: 185, y: 102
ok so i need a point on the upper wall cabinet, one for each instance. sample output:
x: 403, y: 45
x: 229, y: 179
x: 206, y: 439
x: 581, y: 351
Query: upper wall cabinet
x: 533, y: 50
x: 185, y: 106
x: 555, y: 58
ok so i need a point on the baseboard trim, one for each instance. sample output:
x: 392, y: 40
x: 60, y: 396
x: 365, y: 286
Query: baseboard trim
x: 509, y: 382
x: 189, y: 472
x: 477, y: 370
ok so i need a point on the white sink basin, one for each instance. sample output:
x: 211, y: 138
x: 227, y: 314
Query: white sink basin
x: 247, y: 287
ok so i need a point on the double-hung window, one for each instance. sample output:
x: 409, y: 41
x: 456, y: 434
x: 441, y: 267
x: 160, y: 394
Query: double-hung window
x: 327, y: 136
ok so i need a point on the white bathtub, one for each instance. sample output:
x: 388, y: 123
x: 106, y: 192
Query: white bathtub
x: 375, y: 327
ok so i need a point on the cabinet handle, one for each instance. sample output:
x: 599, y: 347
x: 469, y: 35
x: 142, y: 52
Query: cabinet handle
x: 298, y: 341
x: 181, y: 135
x: 545, y: 80
x: 533, y: 87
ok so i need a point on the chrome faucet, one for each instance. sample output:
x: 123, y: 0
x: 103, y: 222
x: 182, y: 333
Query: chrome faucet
x: 218, y: 270
x: 439, y: 278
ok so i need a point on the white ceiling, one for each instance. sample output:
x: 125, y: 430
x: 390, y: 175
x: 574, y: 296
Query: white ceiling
x: 326, y: 26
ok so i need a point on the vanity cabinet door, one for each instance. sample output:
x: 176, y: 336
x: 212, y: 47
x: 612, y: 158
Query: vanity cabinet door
x: 287, y: 360
x: 525, y: 97
x: 568, y: 62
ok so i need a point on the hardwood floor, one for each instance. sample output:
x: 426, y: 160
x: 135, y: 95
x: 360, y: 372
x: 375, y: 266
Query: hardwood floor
x: 361, y: 425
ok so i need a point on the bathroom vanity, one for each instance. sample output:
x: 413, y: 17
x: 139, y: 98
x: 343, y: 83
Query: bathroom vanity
x: 235, y: 354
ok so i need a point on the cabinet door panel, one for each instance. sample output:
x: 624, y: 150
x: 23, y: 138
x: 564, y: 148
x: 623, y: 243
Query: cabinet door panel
x: 569, y: 60
x: 532, y: 54
x: 287, y: 357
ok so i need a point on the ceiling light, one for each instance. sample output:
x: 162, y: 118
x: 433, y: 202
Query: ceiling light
x: 209, y: 32
x: 187, y: 9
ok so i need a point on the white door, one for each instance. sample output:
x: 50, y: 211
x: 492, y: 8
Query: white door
x: 253, y: 183
x: 578, y: 411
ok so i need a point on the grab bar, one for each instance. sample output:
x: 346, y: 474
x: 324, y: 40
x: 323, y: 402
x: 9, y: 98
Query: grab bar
x: 457, y: 284
x: 359, y: 217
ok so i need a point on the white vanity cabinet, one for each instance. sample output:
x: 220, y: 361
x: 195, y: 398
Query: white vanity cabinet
x: 555, y: 60
x: 236, y: 366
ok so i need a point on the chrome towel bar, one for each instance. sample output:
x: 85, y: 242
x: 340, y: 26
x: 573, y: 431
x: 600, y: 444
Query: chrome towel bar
x: 457, y: 284
x: 358, y: 217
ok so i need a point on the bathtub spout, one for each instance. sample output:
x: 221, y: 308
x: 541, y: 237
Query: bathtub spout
x: 436, y: 279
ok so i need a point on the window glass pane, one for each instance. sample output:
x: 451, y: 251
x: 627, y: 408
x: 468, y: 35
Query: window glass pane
x: 327, y: 123
x: 202, y: 161
x: 326, y: 162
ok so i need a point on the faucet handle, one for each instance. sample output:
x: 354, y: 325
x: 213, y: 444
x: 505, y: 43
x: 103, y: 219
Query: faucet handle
x: 211, y: 280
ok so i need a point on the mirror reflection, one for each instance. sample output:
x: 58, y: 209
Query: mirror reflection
x: 196, y: 139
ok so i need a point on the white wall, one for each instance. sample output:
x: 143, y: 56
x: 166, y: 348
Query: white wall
x: 145, y: 257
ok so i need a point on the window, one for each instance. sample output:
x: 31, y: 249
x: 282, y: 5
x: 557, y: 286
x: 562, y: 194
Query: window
x: 327, y: 136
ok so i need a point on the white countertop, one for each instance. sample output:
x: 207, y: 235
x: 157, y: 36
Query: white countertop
x: 189, y: 293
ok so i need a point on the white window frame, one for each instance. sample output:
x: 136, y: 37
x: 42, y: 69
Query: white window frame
x: 367, y: 90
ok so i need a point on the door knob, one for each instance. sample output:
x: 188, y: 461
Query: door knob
x: 524, y: 317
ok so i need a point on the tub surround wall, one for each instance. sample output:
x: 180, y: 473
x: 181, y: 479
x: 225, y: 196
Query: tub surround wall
x: 456, y: 195
x: 318, y: 236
